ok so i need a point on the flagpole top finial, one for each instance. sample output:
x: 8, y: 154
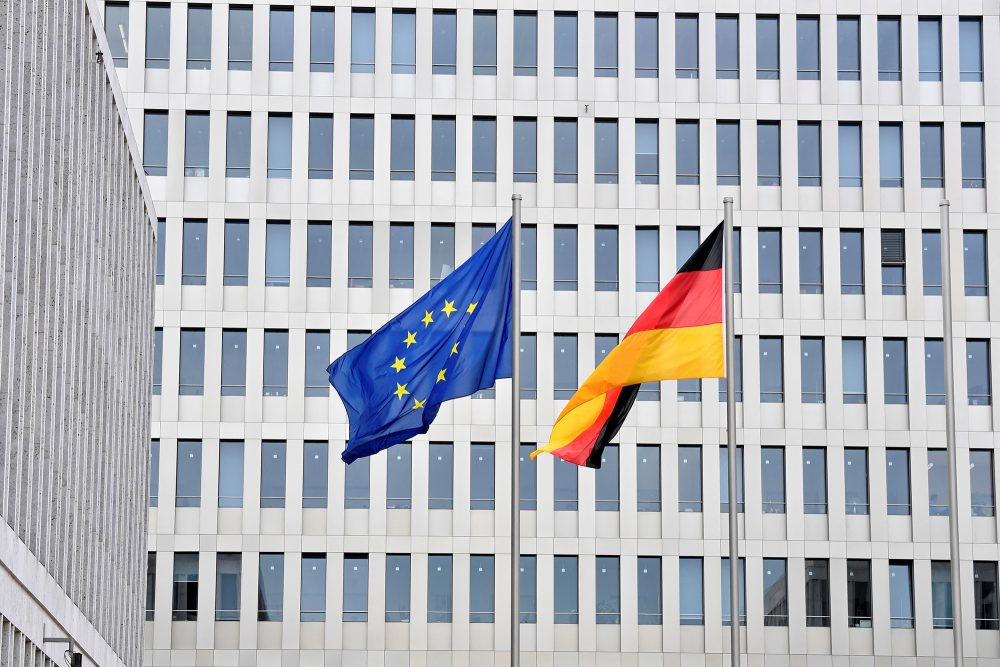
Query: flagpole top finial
x: 944, y: 202
x: 727, y: 200
x: 515, y: 197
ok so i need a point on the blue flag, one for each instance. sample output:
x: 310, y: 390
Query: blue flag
x: 453, y: 342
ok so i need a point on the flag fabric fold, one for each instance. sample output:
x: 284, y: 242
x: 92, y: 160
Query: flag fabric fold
x: 452, y: 342
x: 678, y: 336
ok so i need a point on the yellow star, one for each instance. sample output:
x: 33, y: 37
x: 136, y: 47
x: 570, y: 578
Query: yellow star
x: 440, y: 375
x: 472, y: 307
x: 428, y: 318
x: 417, y: 404
x: 411, y: 338
x: 449, y: 308
x: 399, y: 364
x: 400, y: 391
x: 454, y: 349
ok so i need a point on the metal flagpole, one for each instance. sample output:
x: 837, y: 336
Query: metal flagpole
x: 734, y: 556
x: 949, y: 421
x: 515, y: 435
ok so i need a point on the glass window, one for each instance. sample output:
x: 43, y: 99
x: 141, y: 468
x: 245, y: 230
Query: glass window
x: 442, y: 251
x: 481, y: 589
x: 565, y: 44
x: 897, y: 480
x: 974, y: 254
x: 484, y: 43
x: 688, y: 158
x: 157, y: 361
x: 404, y: 43
x: 401, y: 151
x: 313, y: 588
x: 321, y: 144
x: 161, y: 250
x: 741, y: 582
x: 817, y: 592
x: 116, y: 29
x: 605, y: 259
x: 810, y: 163
x: 647, y: 259
x: 772, y: 382
x: 981, y: 482
x: 931, y: 155
x: 528, y: 602
x: 525, y: 153
x: 900, y: 594
x: 890, y: 137
x: 355, y: 583
x: 315, y: 473
x: 814, y: 480
x: 973, y: 156
x: 768, y: 153
x: 855, y: 375
x: 399, y: 477
x: 689, y: 476
x: 937, y: 482
x: 271, y: 587
x: 608, y: 590
x: 889, y: 58
x: 443, y: 47
x: 275, y: 363
x: 849, y: 147
x: 484, y: 149
x: 529, y: 365
x: 848, y: 48
x: 195, y: 258
x: 187, y: 491
x: 154, y: 141
x: 977, y: 354
x: 529, y: 261
x: 357, y: 479
x: 813, y: 370
x: 606, y: 481
x: 157, y: 37
x: 970, y: 42
x: 439, y: 588
x: 893, y: 262
x: 606, y: 151
x: 228, y: 571
x: 859, y: 594
x: 605, y: 45
x: 941, y: 614
x: 482, y: 476
x: 724, y: 479
x: 441, y: 476
x: 894, y: 369
x: 154, y: 473
x: 362, y: 155
x: 691, y: 591
x: 856, y: 480
x: 238, y: 145
x: 525, y: 44
x: 929, y: 39
x: 565, y: 485
x: 984, y: 576
x: 648, y: 478
x: 647, y: 48
x: 647, y: 152
x: 769, y: 260
x: 768, y: 57
x: 191, y: 381
x: 397, y: 588
x: 727, y: 47
x: 811, y: 261
x: 321, y: 39
x: 565, y: 369
x: 565, y: 153
x: 196, y: 143
x: 931, y: 261
x: 234, y: 362
x: 240, y: 37
x: 775, y: 593
x: 934, y: 370
x: 272, y: 473
x: 567, y: 605
x: 401, y: 255
x: 807, y: 47
x: 199, y: 37
x: 650, y: 590
x: 852, y: 264
x: 236, y: 253
x: 231, y: 473
x: 686, y: 46
x: 185, y: 587
x: 528, y: 476
x: 359, y: 254
x: 443, y: 148
x: 319, y: 254
x: 772, y: 479
x: 738, y: 357
x: 565, y: 263
x: 363, y: 41
x: 277, y: 255
x: 727, y: 152
x: 279, y: 145
x: 282, y: 39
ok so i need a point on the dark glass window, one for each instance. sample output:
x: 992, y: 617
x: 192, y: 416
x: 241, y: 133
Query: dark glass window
x: 605, y: 45
x: 855, y: 376
x: 401, y: 255
x: 810, y: 149
x: 852, y: 265
x: 894, y: 371
x: 565, y: 262
x: 356, y: 584
x: 442, y: 251
x: 321, y: 39
x: 199, y: 37
x: 647, y: 48
x: 196, y: 143
x: 565, y: 150
x: 900, y: 594
x: 691, y: 595
x: 443, y: 44
x: 650, y: 590
x: 606, y: 481
x: 525, y: 44
x: 689, y: 476
x: 238, y: 145
x: 529, y: 261
x: 399, y: 477
x: 931, y: 261
x: 647, y: 259
x: 273, y: 457
x: 973, y: 156
x: 440, y: 582
x: 240, y: 37
x: 281, y: 39
x: 228, y: 572
x: 849, y: 148
x: 813, y: 370
x: 525, y: 150
x: 565, y: 43
x: 195, y: 257
x: 161, y: 250
x: 889, y: 56
x: 157, y: 361
x: 271, y: 587
x: 941, y: 614
x: 688, y: 159
x: 811, y: 261
x: 768, y: 153
x: 404, y: 43
x: 859, y: 594
x: 648, y: 496
x: 319, y: 254
x: 443, y: 148
x: 647, y: 152
x: 984, y: 577
x: 977, y: 355
x: 312, y: 599
x: 315, y: 474
x: 768, y: 56
x: 772, y: 479
x: 769, y: 260
x: 528, y: 589
x: 970, y: 42
x: 937, y: 483
x: 363, y: 40
x: 897, y: 481
x: 929, y: 45
x: 893, y: 262
x: 116, y: 29
x: 441, y: 476
x: 357, y: 481
x: 154, y: 473
x: 157, y: 37
x: 607, y: 590
x: 727, y: 152
x: 362, y: 152
x: 775, y: 592
x: 856, y: 480
x: 605, y: 259
x: 606, y: 151
x: 234, y: 362
x: 807, y: 47
x: 565, y: 485
x: 484, y: 149
x: 981, y: 482
x: 321, y: 145
x: 814, y: 480
x: 772, y: 372
x: 231, y: 473
x: 481, y: 588
x: 848, y: 48
x: 974, y: 255
x: 931, y: 155
x: 528, y: 476
x: 727, y: 47
x: 277, y: 255
x: 529, y: 365
x: 817, y: 592
x: 154, y: 141
x: 397, y: 588
x: 686, y: 46
x: 567, y: 597
x: 275, y: 363
x: 236, y: 253
x: 191, y: 380
x: 890, y: 157
x: 482, y: 476
x: 359, y: 254
x: 279, y: 145
x: 484, y: 43
x: 401, y: 148
x: 185, y: 587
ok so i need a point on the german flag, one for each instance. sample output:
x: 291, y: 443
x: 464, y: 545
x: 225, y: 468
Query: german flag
x: 678, y: 336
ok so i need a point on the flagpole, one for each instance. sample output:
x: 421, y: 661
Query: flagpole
x: 949, y: 421
x: 515, y: 434
x: 734, y: 556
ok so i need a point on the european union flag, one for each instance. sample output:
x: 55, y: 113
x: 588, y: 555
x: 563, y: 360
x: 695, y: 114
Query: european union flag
x: 453, y: 342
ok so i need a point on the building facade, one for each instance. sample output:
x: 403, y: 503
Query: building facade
x: 319, y: 166
x: 76, y: 246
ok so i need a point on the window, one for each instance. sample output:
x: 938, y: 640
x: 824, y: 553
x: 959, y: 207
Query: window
x: 231, y: 473
x: 442, y: 252
x: 401, y: 155
x: 981, y: 482
x: 399, y: 477
x: 157, y: 361
x: 768, y: 57
x: 228, y: 570
x: 272, y: 473
x: 275, y: 363
x: 852, y: 264
x: 727, y: 47
x: 941, y: 614
x: 768, y: 153
x: 686, y: 46
x: 362, y: 155
x: 528, y: 476
x: 271, y: 587
x: 974, y: 254
x: 769, y: 260
x: 441, y: 476
x: 484, y: 43
x: 565, y: 44
x: 691, y: 591
x: 742, y: 601
x: 357, y: 478
x: 404, y: 43
x: 970, y: 54
x: 363, y: 41
x: 397, y: 588
x: 355, y: 338
x: 893, y: 262
x: 811, y: 261
x: 481, y: 591
x: 688, y: 159
x: 185, y: 588
x: 482, y: 476
x: 817, y: 593
x: 937, y: 482
x: 525, y: 44
x: 439, y: 588
x: 444, y: 42
x: 161, y: 248
x: 647, y: 152
x: 984, y: 575
x: 855, y: 375
x: 401, y: 255
x: 775, y: 593
x: 813, y: 370
x: 236, y: 256
x: 282, y: 39
x: 890, y: 155
x: 359, y: 254
x: 154, y: 141
x: 689, y: 476
x: 313, y: 589
x: 848, y: 48
x: 647, y: 48
x: 238, y: 145
x: 894, y: 369
x: 931, y: 259
x: 849, y: 147
x: 321, y: 143
x: 443, y: 148
x: 900, y: 594
x: 648, y: 478
x: 606, y: 481
x: 195, y: 252
x: 565, y: 485
x: 567, y: 605
x: 529, y: 365
x: 565, y: 262
x: 528, y: 602
x: 192, y: 363
x: 199, y: 37
x: 315, y: 471
x: 897, y: 481
x: 856, y: 480
x: 605, y: 259
x: 929, y: 39
x: 810, y: 163
x: 931, y: 155
x: 234, y: 362
x: 529, y: 260
x: 724, y: 479
x: 565, y: 347
x: 157, y: 37
x: 154, y: 473
x: 605, y: 45
x: 647, y: 259
x: 116, y: 28
x: 977, y: 354
x: 737, y: 261
x: 321, y: 39
x: 319, y: 253
x: 240, y: 37
x: 606, y: 151
x: 814, y: 480
x: 973, y: 156
x: 279, y: 145
x: 525, y: 153
x: 650, y: 590
x: 889, y: 58
x: 277, y: 255
x: 738, y: 358
x: 355, y: 583
x: 807, y: 47
x: 772, y: 383
x: 772, y: 479
x: 608, y: 590
x: 727, y: 152
x: 484, y: 149
x: 859, y: 594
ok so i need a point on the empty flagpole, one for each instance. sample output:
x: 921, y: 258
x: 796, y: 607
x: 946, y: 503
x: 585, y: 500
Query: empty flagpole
x: 734, y: 556
x: 515, y: 434
x: 949, y: 427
